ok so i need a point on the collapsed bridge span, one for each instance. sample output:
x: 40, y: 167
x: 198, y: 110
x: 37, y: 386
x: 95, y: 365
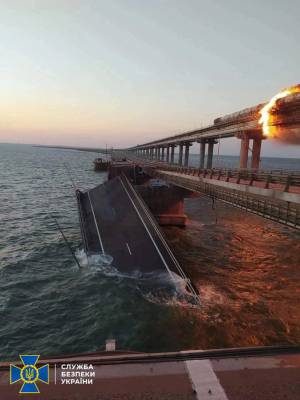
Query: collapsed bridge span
x: 116, y: 222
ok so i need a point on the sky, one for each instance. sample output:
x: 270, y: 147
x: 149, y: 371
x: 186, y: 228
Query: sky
x: 123, y: 72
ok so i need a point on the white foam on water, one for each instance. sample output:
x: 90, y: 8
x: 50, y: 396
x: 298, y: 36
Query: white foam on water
x: 170, y: 299
x: 156, y: 287
x: 97, y: 262
x: 93, y: 259
x: 168, y: 291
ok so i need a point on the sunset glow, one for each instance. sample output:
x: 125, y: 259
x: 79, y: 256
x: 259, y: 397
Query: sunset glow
x: 121, y: 73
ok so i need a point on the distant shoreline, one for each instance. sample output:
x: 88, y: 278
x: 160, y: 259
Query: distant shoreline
x: 88, y: 149
x: 100, y: 150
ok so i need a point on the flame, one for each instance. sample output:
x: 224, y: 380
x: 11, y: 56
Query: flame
x: 265, y: 112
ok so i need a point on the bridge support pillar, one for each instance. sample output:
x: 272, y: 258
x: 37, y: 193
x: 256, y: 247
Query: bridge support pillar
x: 244, y: 151
x: 158, y: 153
x: 256, y: 153
x: 166, y: 202
x: 162, y: 153
x: 202, y: 153
x: 186, y: 154
x: 210, y: 153
x: 180, y: 154
x: 172, y: 153
x: 168, y: 154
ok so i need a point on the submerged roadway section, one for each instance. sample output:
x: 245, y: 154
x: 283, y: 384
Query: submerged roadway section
x: 116, y: 222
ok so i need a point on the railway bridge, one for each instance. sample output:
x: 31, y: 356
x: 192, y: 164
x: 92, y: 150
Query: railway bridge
x: 271, y: 194
x: 244, y: 125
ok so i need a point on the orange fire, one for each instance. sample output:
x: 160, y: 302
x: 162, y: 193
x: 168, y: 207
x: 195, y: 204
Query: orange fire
x: 266, y: 111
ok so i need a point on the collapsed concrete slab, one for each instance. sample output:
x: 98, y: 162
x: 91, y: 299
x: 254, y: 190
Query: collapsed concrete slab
x: 116, y: 222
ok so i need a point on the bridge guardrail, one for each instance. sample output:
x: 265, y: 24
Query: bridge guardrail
x: 287, y: 179
x: 283, y: 212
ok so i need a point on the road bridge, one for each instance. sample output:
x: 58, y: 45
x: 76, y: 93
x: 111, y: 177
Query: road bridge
x: 272, y: 194
x: 243, y: 125
x: 116, y: 223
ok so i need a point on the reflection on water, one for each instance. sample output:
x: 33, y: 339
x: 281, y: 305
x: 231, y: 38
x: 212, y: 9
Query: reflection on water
x: 247, y: 271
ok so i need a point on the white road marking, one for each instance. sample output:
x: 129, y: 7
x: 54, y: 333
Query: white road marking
x: 204, y: 380
x: 181, y: 272
x: 96, y: 224
x: 129, y: 251
x: 152, y: 239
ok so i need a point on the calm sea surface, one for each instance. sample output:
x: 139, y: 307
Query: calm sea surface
x: 247, y: 270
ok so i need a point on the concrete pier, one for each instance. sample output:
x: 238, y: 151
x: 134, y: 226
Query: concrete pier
x: 202, y: 153
x: 166, y: 202
x: 172, y: 153
x: 210, y: 154
x: 244, y: 151
x: 186, y: 153
x: 168, y: 154
x: 158, y: 153
x: 256, y: 149
x: 180, y: 156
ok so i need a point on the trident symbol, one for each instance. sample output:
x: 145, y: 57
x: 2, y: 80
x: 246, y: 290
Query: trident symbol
x: 29, y: 374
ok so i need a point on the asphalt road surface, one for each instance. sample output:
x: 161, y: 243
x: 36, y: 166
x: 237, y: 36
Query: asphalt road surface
x: 116, y: 221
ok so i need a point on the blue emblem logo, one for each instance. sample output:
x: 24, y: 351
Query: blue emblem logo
x: 29, y: 374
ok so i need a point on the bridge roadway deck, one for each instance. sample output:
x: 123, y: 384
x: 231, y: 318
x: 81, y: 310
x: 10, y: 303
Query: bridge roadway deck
x: 115, y: 221
x: 273, y: 195
x: 285, y: 185
x: 285, y: 212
